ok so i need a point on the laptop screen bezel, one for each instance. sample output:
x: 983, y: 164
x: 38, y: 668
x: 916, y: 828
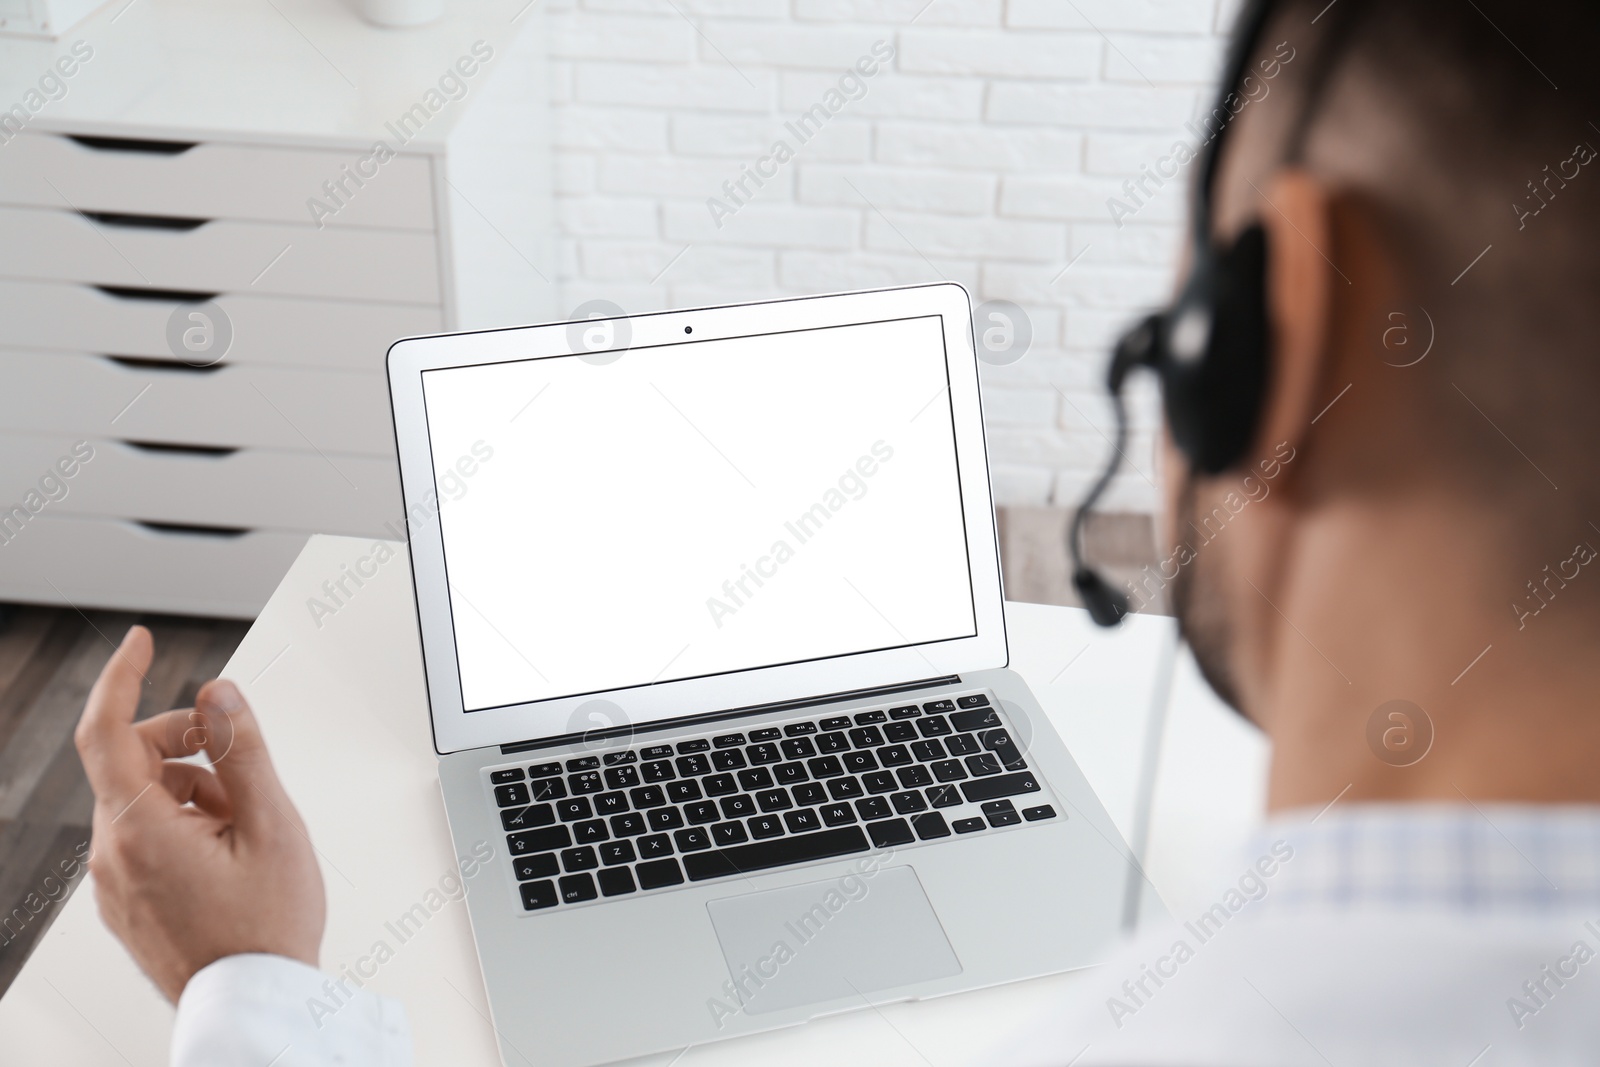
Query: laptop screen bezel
x: 658, y: 704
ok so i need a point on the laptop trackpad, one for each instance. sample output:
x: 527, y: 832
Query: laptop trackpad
x: 851, y: 935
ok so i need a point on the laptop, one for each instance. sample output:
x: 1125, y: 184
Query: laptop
x: 711, y: 615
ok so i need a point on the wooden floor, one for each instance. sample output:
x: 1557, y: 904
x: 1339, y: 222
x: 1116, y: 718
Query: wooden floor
x: 49, y: 658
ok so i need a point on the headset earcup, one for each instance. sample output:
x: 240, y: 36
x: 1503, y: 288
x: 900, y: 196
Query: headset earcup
x: 1213, y: 362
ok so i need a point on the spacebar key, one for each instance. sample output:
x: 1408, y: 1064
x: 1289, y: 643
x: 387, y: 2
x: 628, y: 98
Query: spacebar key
x: 802, y: 848
x: 1005, y: 785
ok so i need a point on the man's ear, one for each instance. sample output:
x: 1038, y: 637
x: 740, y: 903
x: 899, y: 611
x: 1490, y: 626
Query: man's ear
x: 1295, y: 210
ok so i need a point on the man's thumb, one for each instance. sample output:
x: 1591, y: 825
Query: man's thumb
x: 239, y: 755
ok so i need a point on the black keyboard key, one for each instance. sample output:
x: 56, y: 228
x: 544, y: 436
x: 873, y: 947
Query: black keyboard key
x: 527, y: 818
x: 610, y: 804
x: 587, y: 833
x: 874, y: 808
x: 615, y: 759
x: 543, y: 865
x: 845, y: 788
x: 838, y: 722
x: 866, y: 737
x: 720, y: 785
x: 693, y: 766
x: 967, y: 826
x: 1043, y: 811
x: 546, y: 840
x: 587, y: 782
x: 834, y: 742
x: 729, y: 833
x: 699, y: 744
x: 908, y: 802
x: 547, y: 789
x: 574, y: 809
x: 692, y: 839
x: 664, y: 819
x: 760, y: 754
x: 1004, y: 748
x: 654, y: 845
x: 930, y: 825
x: 860, y: 762
x: 808, y: 794
x: 891, y: 833
x: 683, y: 792
x: 780, y: 852
x: 615, y: 852
x: 927, y: 751
x: 766, y: 826
x: 790, y: 773
x: 914, y: 776
x: 621, y: 778
x: 701, y: 812
x: 825, y: 767
x: 868, y: 718
x: 774, y: 800
x: 579, y: 859
x: 803, y: 821
x: 1005, y: 785
x: 727, y: 760
x: 657, y: 771
x: 949, y: 770
x: 795, y: 729
x: 934, y: 726
x: 544, y: 770
x: 727, y: 740
x: 647, y: 796
x: 771, y: 733
x: 536, y: 895
x: 975, y: 700
x: 975, y: 720
x: 658, y: 874
x: 629, y: 825
x: 616, y: 882
x: 510, y: 774
x: 738, y: 807
x: 576, y: 888
x: 936, y: 707
x: 656, y: 752
x: 900, y: 732
x: 943, y: 796
x: 983, y: 764
x: 583, y: 763
x: 753, y: 778
x: 799, y: 748
x: 879, y: 782
x: 837, y: 814
x: 961, y: 744
x: 909, y: 711
x: 1003, y: 818
x: 511, y: 796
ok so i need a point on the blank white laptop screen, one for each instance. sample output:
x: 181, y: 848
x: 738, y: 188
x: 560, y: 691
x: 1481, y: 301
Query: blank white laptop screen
x: 694, y: 509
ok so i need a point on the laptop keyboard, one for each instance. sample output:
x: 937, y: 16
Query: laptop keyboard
x: 649, y: 817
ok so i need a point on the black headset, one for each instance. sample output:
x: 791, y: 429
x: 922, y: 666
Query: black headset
x: 1209, y: 347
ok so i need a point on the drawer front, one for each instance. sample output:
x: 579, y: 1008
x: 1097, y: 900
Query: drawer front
x: 227, y: 406
x: 104, y: 563
x: 278, y: 330
x: 223, y: 256
x: 217, y: 181
x: 250, y: 489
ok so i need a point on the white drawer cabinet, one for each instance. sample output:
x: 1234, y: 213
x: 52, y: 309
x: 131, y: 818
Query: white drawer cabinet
x: 208, y: 161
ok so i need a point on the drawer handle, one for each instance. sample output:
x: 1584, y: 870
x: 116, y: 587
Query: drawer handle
x: 150, y: 363
x: 133, y: 144
x: 165, y: 296
x: 165, y: 448
x: 143, y: 222
x: 183, y: 528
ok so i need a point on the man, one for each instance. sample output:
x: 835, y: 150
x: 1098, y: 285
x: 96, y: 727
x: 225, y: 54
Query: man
x: 1428, y: 888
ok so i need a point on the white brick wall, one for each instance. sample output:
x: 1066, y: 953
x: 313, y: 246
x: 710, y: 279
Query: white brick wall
x: 983, y: 152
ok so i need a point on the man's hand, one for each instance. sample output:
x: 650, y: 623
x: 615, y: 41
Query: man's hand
x: 191, y: 865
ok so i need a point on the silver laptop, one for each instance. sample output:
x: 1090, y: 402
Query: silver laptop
x: 711, y: 612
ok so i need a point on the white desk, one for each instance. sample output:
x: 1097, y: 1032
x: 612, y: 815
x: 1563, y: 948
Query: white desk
x: 344, y: 712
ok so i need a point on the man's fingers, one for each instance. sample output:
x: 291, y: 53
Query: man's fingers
x: 113, y: 756
x: 239, y: 756
x: 190, y: 784
x: 174, y: 734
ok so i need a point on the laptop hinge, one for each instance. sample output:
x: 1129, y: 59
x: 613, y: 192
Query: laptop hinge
x: 732, y: 713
